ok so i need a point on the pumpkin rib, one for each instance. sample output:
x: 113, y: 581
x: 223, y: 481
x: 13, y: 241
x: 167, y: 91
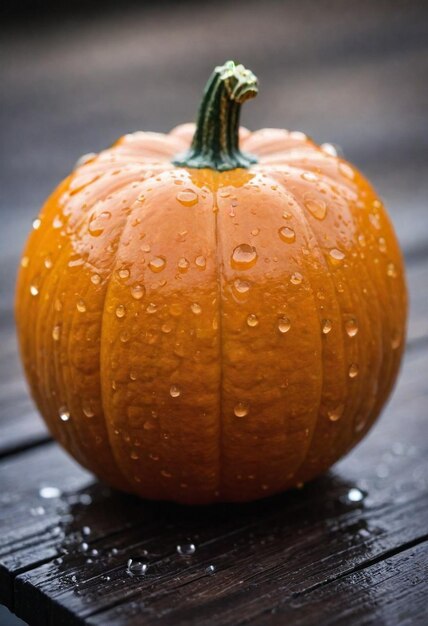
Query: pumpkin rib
x: 308, y: 227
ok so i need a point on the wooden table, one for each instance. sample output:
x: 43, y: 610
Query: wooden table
x: 351, y: 547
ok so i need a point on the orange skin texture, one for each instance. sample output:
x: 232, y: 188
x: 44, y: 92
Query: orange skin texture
x: 187, y: 367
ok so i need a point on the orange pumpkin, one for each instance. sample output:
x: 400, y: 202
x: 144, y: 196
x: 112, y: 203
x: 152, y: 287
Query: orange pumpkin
x: 219, y: 325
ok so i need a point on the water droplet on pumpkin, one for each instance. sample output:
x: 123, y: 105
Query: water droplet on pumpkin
x: 346, y: 170
x: 157, y: 264
x: 57, y: 222
x: 145, y: 247
x: 326, y: 326
x: 353, y: 370
x: 201, y: 262
x: 329, y: 149
x: 255, y: 232
x: 391, y: 270
x: 375, y: 221
x: 310, y: 177
x: 241, y: 409
x: 64, y: 414
x: 196, y: 308
x: 187, y: 197
x: 287, y: 234
x: 395, y: 339
x: 183, y: 264
x: 317, y: 208
x: 120, y: 311
x: 174, y: 391
x: 151, y: 308
x: 137, y: 292
x: 48, y: 262
x: 81, y: 306
x: 36, y: 223
x: 34, y: 290
x: 186, y: 549
x: 252, y: 320
x: 96, y: 279
x: 56, y: 332
x: 97, y: 223
x: 136, y: 568
x: 25, y: 261
x: 355, y: 495
x: 210, y: 570
x: 382, y: 244
x: 123, y: 273
x: 362, y: 240
x: 336, y: 255
x: 296, y: 278
x: 244, y: 256
x: 284, y: 325
x: 351, y: 327
x: 88, y: 410
x: 336, y: 414
x: 241, y: 286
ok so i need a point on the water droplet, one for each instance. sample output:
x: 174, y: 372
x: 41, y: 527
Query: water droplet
x: 136, y: 568
x: 252, y: 320
x: 241, y: 409
x: 317, y: 208
x: 286, y: 215
x: 151, y: 308
x: 183, y: 264
x: 255, y: 232
x: 375, y: 221
x: 244, y: 256
x: 120, y: 311
x: 310, y: 177
x: 210, y: 570
x: 36, y: 223
x: 336, y: 255
x: 97, y: 223
x: 95, y: 279
x: 50, y: 492
x: 81, y: 306
x: 346, y: 170
x: 353, y: 370
x: 326, y: 326
x: 187, y: 197
x: 241, y: 286
x: 137, y: 292
x: 56, y: 332
x: 296, y: 278
x: 355, y: 495
x: 382, y: 244
x: 88, y: 410
x: 391, y: 270
x: 284, y: 325
x: 64, y: 414
x: 395, y: 339
x: 351, y: 327
x: 336, y: 414
x: 123, y: 273
x: 86, y: 530
x: 196, y: 308
x: 329, y: 149
x: 145, y: 247
x: 57, y: 222
x: 34, y: 290
x: 25, y: 261
x: 186, y: 549
x: 200, y: 262
x: 362, y: 240
x: 48, y: 262
x: 134, y: 454
x: 287, y: 234
x: 157, y: 264
x: 174, y: 391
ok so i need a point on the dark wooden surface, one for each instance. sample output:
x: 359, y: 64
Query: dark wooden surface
x: 355, y: 74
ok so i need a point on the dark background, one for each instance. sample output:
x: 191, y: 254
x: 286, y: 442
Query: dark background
x: 75, y: 76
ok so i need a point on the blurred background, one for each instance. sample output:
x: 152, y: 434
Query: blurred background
x: 77, y: 75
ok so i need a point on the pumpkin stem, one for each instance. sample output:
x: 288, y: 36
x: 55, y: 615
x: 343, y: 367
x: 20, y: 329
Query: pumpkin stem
x: 215, y: 144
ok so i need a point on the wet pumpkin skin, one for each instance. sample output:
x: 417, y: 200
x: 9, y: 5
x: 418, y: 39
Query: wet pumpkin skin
x: 199, y: 335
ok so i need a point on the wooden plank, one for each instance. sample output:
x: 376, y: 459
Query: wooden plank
x: 294, y: 540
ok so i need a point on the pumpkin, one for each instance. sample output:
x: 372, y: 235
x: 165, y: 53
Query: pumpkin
x: 211, y: 314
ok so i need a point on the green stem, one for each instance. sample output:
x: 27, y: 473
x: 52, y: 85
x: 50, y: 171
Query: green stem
x: 215, y: 144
